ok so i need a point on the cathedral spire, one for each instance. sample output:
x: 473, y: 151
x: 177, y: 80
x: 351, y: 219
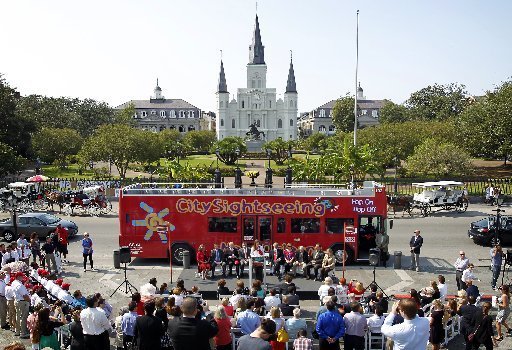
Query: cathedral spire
x: 223, y: 86
x: 290, y: 83
x: 256, y: 50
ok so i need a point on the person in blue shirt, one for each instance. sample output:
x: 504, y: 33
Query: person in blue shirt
x: 87, y: 251
x: 330, y: 327
x: 496, y: 262
x: 128, y: 324
x: 472, y: 289
x: 248, y: 320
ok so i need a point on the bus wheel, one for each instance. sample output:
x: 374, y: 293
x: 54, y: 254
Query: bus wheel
x: 341, y: 255
x: 177, y: 253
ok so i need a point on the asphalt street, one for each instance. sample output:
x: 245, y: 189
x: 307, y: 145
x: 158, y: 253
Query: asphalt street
x: 444, y: 233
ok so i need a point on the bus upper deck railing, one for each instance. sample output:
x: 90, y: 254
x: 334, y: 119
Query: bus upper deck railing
x: 368, y: 189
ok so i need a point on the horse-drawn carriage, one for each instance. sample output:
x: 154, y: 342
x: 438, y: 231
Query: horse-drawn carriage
x: 443, y: 195
x: 28, y: 196
x: 89, y: 201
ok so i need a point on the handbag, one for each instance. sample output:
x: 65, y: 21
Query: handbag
x: 471, y: 336
x: 282, y: 335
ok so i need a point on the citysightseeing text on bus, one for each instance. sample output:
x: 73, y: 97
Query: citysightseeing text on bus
x: 222, y: 206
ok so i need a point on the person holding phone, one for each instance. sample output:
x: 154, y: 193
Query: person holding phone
x: 87, y: 251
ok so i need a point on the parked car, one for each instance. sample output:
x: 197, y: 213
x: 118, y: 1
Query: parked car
x: 42, y: 223
x: 483, y: 231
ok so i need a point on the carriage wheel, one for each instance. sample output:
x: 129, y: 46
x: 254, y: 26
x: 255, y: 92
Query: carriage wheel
x: 408, y: 208
x: 67, y: 209
x: 425, y: 210
x: 106, y: 208
x: 93, y: 210
x: 462, y: 205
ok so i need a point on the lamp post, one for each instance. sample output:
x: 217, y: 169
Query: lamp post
x: 395, y: 187
x: 238, y: 172
x: 217, y: 175
x: 268, y: 173
x: 13, y: 203
x: 288, y: 174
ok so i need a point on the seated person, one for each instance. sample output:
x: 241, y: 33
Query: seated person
x: 283, y: 287
x: 286, y: 309
x: 294, y: 324
x: 472, y: 290
x: 293, y: 298
x: 375, y: 322
x: 428, y: 294
x: 272, y: 299
x: 222, y: 289
x: 227, y: 307
x: 356, y: 288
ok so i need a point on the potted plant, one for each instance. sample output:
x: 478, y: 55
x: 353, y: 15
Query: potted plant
x: 252, y: 174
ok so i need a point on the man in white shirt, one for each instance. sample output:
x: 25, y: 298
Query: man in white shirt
x: 324, y: 288
x: 148, y: 289
x: 443, y: 288
x: 11, y: 309
x: 9, y: 256
x: 23, y: 253
x: 272, y: 300
x: 94, y: 324
x: 376, y: 320
x: 460, y: 264
x: 3, y: 302
x: 22, y: 240
x: 468, y: 275
x: 21, y: 303
x: 413, y: 333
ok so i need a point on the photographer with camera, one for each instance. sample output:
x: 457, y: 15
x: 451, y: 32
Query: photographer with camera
x: 413, y: 333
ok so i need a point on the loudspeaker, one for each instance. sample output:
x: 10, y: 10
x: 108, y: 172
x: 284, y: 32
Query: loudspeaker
x: 508, y: 257
x: 124, y: 255
x: 374, y: 256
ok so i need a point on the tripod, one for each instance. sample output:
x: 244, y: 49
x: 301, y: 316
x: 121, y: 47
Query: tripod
x: 374, y: 283
x: 126, y: 283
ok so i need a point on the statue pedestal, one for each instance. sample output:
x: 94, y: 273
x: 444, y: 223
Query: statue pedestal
x: 254, y: 146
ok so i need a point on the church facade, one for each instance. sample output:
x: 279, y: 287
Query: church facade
x: 256, y: 104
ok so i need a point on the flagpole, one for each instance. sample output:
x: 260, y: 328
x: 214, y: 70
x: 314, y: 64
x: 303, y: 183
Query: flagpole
x: 357, y: 64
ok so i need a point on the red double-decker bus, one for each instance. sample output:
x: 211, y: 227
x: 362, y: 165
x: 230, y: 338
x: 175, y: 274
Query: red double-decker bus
x: 302, y: 216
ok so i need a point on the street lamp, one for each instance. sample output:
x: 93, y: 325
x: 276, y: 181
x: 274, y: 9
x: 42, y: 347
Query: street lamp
x: 288, y: 174
x: 268, y: 173
x: 217, y: 175
x: 13, y: 204
x: 238, y: 172
x: 396, y: 170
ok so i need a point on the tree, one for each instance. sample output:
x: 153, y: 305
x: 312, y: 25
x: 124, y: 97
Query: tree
x: 343, y: 114
x: 438, y: 102
x: 314, y: 142
x: 125, y: 115
x: 279, y: 149
x: 10, y: 162
x: 14, y: 130
x: 435, y: 159
x: 120, y: 144
x: 151, y: 147
x: 393, y: 113
x: 173, y: 145
x: 56, y: 145
x: 486, y: 125
x: 200, y: 140
x: 227, y: 149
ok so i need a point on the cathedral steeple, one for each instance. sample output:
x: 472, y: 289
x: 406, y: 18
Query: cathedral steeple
x: 223, y: 86
x: 256, y: 50
x: 290, y: 83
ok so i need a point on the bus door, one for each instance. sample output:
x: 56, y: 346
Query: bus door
x: 256, y: 227
x: 367, y: 230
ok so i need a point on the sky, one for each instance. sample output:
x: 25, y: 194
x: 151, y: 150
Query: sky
x: 114, y: 51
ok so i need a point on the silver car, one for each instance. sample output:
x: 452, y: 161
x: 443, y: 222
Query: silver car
x: 41, y: 223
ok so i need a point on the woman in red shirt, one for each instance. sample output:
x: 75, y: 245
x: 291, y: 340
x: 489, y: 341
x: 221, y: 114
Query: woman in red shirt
x: 223, y: 337
x: 203, y: 261
x: 356, y: 288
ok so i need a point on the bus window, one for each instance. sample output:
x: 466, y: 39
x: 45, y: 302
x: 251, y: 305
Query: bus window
x: 248, y: 229
x: 335, y: 225
x: 222, y: 224
x: 306, y: 225
x: 281, y: 225
x: 265, y: 228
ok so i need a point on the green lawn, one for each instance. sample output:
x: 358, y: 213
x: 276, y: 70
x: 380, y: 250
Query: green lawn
x: 70, y: 171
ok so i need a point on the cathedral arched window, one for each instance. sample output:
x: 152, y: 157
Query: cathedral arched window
x: 181, y: 128
x: 243, y: 104
x: 232, y: 123
x: 222, y: 122
x: 279, y: 123
x: 291, y: 122
x: 269, y: 104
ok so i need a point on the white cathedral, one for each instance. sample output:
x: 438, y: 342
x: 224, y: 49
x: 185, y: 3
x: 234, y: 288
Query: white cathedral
x: 256, y: 104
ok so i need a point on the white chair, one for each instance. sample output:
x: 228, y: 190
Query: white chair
x: 236, y: 333
x: 376, y: 341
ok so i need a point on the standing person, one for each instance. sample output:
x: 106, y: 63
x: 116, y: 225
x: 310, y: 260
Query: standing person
x: 148, y: 329
x: 504, y: 311
x: 35, y: 248
x: 443, y: 288
x: 259, y: 338
x: 22, y: 240
x: 483, y: 329
x: 94, y: 324
x: 191, y: 332
x: 258, y: 260
x: 467, y: 314
x: 44, y: 331
x: 128, y: 324
x: 302, y: 342
x: 467, y: 275
x: 11, y: 308
x: 87, y: 251
x: 62, y: 237
x: 415, y: 244
x: 77, y: 333
x: 3, y: 302
x: 460, y: 264
x: 496, y: 262
x: 413, y: 332
x: 9, y: 256
x: 21, y: 303
x: 382, y: 242
x: 49, y: 255
x: 355, y: 328
x: 436, y: 325
x: 24, y: 253
x: 330, y: 327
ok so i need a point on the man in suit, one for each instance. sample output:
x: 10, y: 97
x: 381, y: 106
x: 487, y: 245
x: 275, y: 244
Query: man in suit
x: 301, y: 261
x: 148, y: 329
x: 242, y: 254
x: 216, y: 259
x: 286, y: 309
x: 231, y: 257
x: 315, y: 262
x: 277, y: 260
x: 189, y: 332
x: 415, y: 243
x: 467, y: 321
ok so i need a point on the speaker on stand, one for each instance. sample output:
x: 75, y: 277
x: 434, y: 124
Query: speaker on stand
x: 374, y: 259
x: 125, y: 258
